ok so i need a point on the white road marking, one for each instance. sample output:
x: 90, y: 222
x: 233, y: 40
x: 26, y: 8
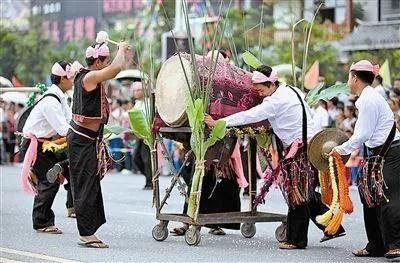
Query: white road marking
x: 142, y: 213
x: 35, y: 255
x: 7, y: 260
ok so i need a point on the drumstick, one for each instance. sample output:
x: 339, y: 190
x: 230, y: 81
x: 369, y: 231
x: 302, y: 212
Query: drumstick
x: 102, y: 36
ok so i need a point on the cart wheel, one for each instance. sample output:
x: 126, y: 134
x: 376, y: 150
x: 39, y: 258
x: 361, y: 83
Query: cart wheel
x: 280, y: 232
x: 192, y: 236
x: 160, y: 233
x: 248, y: 230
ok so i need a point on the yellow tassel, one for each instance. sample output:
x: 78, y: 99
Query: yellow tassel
x: 327, y: 216
x: 335, y: 223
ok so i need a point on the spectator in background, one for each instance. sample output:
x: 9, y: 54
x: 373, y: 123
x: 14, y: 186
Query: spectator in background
x: 339, y: 119
x: 350, y: 119
x: 9, y: 129
x: 394, y: 106
x: 2, y: 121
x: 377, y: 84
x: 142, y: 151
x: 332, y: 109
x: 321, y: 116
x: 115, y: 141
x: 396, y: 88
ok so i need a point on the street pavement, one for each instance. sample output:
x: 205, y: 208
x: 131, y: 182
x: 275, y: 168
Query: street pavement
x: 130, y: 219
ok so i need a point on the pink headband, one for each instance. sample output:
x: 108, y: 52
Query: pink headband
x: 258, y: 77
x: 365, y: 65
x: 97, y: 51
x: 69, y: 71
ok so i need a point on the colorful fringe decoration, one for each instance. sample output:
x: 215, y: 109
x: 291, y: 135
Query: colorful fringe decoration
x: 326, y: 187
x: 55, y: 146
x: 371, y: 184
x: 341, y: 202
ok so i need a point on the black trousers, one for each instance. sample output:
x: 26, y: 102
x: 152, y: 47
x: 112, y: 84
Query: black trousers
x: 85, y: 182
x: 42, y: 214
x: 143, y: 161
x: 298, y: 219
x: 382, y: 223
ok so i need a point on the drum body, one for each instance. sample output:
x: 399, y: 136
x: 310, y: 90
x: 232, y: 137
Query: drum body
x: 231, y: 91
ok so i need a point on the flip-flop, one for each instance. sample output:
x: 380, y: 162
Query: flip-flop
x: 179, y: 231
x: 49, y: 230
x: 286, y: 245
x: 362, y: 253
x: 330, y: 237
x: 71, y: 213
x: 394, y: 253
x: 217, y: 231
x: 93, y: 244
x: 53, y: 173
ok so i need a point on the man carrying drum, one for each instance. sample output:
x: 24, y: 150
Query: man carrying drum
x: 290, y: 117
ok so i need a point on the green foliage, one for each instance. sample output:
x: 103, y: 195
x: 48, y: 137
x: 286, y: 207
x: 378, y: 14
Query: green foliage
x: 114, y: 129
x: 251, y: 60
x: 140, y: 126
x: 29, y: 57
x: 379, y: 57
x: 319, y: 93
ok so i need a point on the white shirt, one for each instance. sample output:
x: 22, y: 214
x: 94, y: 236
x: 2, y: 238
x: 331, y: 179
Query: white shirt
x: 320, y: 118
x: 50, y: 117
x: 381, y: 90
x: 374, y: 123
x: 284, y: 112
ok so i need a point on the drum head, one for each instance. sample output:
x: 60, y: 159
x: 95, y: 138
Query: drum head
x: 172, y: 90
x: 322, y: 143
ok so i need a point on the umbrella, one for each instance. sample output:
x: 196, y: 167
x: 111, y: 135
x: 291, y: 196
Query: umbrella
x: 285, y: 69
x: 17, y: 97
x: 5, y: 82
x: 131, y: 74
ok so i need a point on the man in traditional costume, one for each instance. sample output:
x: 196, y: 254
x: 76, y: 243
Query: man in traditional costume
x: 48, y: 119
x: 379, y: 183
x: 88, y: 157
x: 290, y: 118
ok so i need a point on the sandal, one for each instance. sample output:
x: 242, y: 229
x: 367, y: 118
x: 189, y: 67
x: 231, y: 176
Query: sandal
x: 217, y: 231
x: 330, y: 237
x: 362, y: 253
x: 71, y: 212
x: 93, y: 244
x: 393, y: 253
x: 53, y: 173
x: 179, y: 231
x: 286, y: 245
x: 49, y: 230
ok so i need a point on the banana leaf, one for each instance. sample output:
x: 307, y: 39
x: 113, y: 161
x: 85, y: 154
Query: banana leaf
x: 114, y: 129
x: 217, y: 133
x: 264, y: 139
x: 140, y: 126
x: 326, y: 94
x: 251, y: 60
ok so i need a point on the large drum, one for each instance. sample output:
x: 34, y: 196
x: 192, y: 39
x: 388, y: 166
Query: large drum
x: 231, y: 91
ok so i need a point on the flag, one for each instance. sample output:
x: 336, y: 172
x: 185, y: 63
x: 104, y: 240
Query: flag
x: 384, y: 71
x: 311, y: 77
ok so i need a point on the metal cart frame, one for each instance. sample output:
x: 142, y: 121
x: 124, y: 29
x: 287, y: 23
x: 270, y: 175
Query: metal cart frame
x: 192, y: 235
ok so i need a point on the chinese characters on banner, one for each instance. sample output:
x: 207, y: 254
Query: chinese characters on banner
x: 74, y: 29
x: 110, y: 6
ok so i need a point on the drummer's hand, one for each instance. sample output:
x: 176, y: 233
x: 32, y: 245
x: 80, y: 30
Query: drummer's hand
x: 209, y: 121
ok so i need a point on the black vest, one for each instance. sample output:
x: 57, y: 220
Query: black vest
x: 86, y: 104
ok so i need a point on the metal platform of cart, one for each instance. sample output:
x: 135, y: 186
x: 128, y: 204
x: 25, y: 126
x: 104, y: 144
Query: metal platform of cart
x: 192, y: 235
